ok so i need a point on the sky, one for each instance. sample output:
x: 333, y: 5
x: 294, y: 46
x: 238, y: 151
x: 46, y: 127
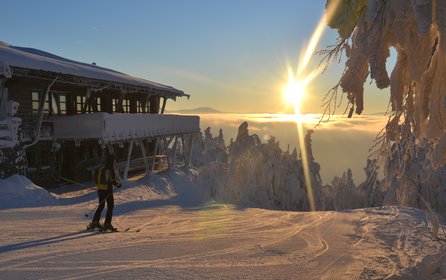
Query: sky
x: 229, y: 55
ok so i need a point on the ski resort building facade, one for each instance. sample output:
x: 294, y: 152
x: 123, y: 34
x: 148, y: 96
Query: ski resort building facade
x: 58, y: 118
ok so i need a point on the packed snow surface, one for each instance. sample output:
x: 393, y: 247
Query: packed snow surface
x: 183, y: 234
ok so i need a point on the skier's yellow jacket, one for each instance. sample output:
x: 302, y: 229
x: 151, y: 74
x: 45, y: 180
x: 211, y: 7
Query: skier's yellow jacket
x: 104, y: 177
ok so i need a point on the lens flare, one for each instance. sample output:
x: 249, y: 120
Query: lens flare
x: 294, y: 92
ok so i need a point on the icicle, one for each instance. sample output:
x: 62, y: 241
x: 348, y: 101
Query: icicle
x: 419, y: 54
x: 357, y: 68
x: 410, y: 105
x: 423, y: 14
x: 398, y: 82
x: 439, y: 153
x: 398, y: 10
x: 437, y: 109
x: 378, y: 41
x: 440, y: 15
x: 378, y: 57
x: 420, y: 116
x: 372, y: 11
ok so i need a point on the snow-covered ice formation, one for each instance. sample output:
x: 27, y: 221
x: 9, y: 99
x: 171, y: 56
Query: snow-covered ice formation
x: 417, y: 31
x: 413, y: 147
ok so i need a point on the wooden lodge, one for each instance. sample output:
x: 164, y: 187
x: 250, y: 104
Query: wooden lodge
x: 58, y: 117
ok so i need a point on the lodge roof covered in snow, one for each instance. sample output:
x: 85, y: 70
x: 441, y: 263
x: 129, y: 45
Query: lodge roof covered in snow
x: 20, y: 59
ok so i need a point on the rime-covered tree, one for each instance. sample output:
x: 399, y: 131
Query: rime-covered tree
x: 414, y: 141
x: 262, y: 175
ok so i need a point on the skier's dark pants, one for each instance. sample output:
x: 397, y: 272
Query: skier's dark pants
x: 105, y: 195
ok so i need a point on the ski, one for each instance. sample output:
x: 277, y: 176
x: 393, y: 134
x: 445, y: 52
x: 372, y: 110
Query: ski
x: 129, y: 230
x: 100, y: 231
x: 132, y: 230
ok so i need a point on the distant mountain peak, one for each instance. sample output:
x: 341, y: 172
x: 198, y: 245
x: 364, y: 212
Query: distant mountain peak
x: 199, y: 110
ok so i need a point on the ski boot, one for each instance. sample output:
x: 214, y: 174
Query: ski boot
x: 93, y: 225
x: 108, y: 227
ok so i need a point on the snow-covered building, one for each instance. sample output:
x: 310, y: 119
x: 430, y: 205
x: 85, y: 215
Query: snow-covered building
x: 58, y: 116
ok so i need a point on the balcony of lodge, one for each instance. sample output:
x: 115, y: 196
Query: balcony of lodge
x: 117, y: 128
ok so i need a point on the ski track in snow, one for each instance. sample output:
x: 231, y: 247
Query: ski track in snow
x: 209, y: 241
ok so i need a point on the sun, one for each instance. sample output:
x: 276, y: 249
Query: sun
x: 294, y: 91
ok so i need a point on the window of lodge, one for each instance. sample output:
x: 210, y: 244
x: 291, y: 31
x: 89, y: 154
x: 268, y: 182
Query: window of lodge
x: 35, y: 101
x: 35, y: 97
x: 63, y: 104
x: 138, y: 107
x: 114, y: 104
x: 80, y: 101
x: 126, y: 105
x: 98, y: 104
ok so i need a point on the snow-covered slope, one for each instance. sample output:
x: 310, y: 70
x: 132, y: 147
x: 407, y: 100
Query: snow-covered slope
x: 184, y: 235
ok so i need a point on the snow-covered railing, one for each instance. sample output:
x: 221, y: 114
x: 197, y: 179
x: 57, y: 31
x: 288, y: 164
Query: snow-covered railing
x: 9, y: 132
x: 120, y: 127
x: 46, y: 132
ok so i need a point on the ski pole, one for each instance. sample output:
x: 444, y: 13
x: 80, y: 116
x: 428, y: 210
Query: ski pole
x: 100, y: 202
x: 74, y: 182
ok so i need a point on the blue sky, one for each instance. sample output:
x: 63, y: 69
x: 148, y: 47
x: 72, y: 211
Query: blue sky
x: 230, y: 55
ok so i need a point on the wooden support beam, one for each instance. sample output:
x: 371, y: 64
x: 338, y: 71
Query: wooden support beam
x: 189, y: 157
x: 144, y: 155
x: 164, y: 105
x: 40, y: 115
x: 57, y: 98
x: 155, y: 152
x: 168, y: 142
x: 171, y: 163
x: 111, y: 150
x: 3, y: 99
x: 144, y: 106
x: 127, y: 163
x: 87, y: 101
x: 181, y: 138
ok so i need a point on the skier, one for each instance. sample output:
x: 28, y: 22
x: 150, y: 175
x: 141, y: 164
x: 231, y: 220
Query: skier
x: 105, y: 181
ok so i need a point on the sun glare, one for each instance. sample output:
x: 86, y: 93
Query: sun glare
x: 294, y: 92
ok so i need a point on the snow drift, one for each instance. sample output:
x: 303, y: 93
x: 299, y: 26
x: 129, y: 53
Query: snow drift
x: 18, y: 191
